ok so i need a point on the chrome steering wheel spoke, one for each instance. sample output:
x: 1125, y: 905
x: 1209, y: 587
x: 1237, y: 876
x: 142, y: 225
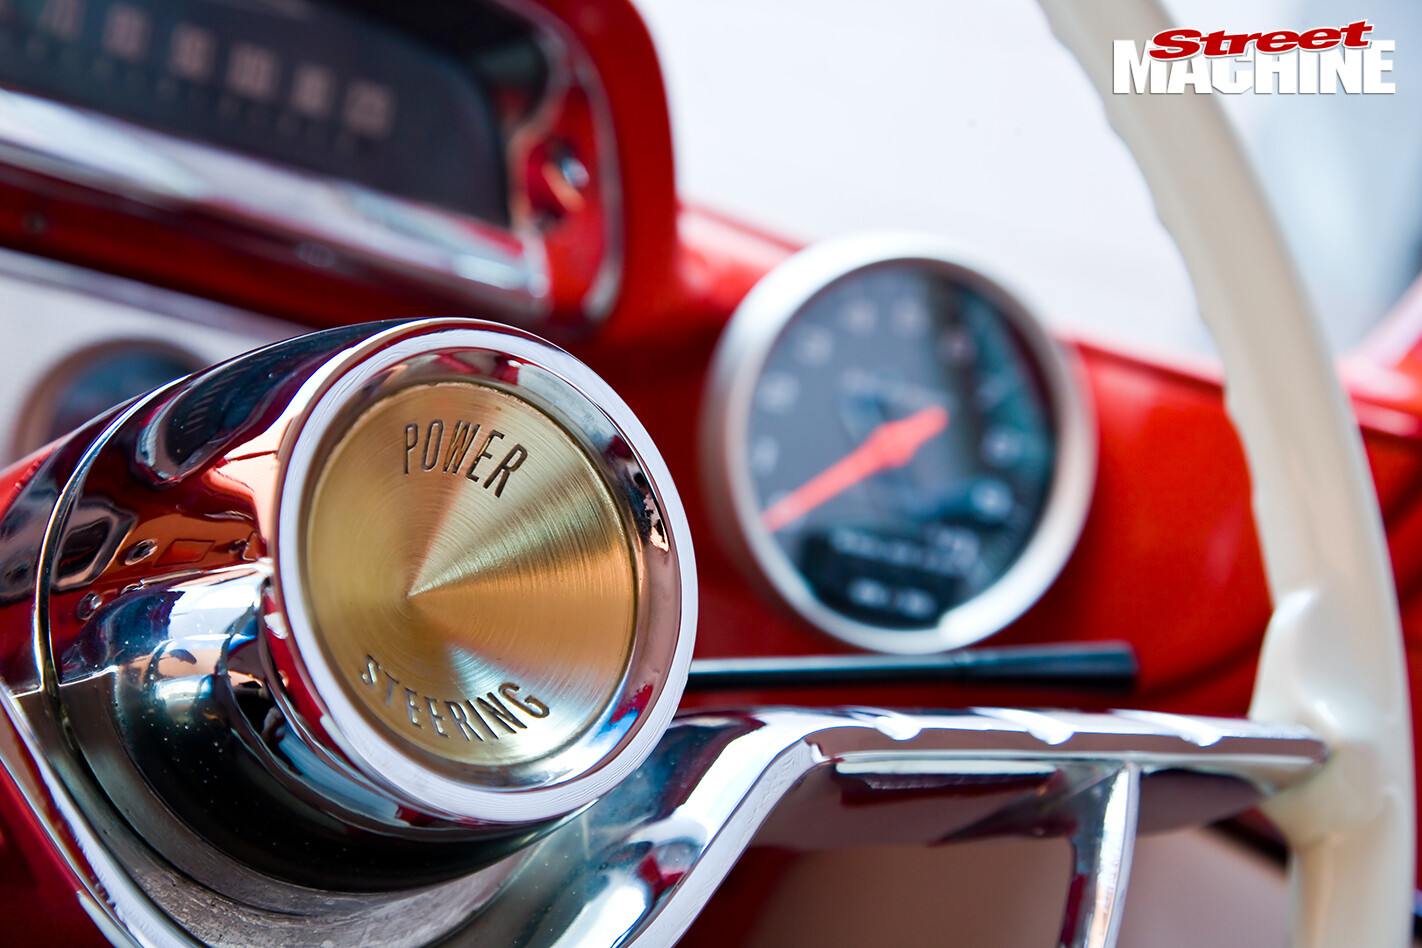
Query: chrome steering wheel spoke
x: 637, y: 866
x: 1103, y: 842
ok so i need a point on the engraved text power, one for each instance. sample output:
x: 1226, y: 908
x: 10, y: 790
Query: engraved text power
x: 463, y: 446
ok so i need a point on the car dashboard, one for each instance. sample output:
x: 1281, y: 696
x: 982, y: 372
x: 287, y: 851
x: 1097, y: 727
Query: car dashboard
x: 905, y: 490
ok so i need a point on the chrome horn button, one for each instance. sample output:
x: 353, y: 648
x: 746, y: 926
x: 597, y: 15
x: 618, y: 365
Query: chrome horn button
x: 469, y: 574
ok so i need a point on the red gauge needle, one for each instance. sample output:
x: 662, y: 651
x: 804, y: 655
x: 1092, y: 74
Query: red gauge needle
x: 892, y: 444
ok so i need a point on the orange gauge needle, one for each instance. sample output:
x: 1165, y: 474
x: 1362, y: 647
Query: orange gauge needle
x: 890, y: 445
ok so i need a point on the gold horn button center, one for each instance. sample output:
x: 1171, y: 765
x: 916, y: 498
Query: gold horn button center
x: 470, y: 574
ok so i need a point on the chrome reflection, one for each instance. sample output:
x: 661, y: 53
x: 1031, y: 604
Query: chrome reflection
x: 636, y: 866
x: 170, y: 699
x: 337, y: 223
x: 152, y: 675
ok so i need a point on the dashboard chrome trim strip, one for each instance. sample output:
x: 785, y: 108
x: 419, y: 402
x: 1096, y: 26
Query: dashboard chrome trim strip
x: 70, y: 278
x: 324, y: 222
x: 458, y: 253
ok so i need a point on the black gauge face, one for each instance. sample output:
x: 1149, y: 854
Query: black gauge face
x: 900, y: 444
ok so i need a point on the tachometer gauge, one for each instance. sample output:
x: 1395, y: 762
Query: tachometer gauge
x: 906, y: 455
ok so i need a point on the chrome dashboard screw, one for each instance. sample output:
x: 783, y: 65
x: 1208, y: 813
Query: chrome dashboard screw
x: 139, y: 552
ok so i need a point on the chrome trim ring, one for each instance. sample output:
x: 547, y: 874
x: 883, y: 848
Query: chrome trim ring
x: 741, y: 355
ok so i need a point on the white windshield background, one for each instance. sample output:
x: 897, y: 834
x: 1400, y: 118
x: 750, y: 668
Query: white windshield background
x: 814, y: 118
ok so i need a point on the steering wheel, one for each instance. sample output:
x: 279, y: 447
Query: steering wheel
x: 1333, y: 656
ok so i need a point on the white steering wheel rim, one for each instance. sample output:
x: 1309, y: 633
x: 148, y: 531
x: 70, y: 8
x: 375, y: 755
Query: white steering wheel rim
x: 1333, y: 656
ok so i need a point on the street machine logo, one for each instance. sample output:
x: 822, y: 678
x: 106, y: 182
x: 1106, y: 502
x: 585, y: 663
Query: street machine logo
x: 1321, y: 61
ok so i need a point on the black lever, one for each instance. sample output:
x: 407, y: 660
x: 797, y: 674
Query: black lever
x: 1091, y: 666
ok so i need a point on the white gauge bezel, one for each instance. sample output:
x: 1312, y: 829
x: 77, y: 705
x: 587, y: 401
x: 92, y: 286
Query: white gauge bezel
x: 761, y: 320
